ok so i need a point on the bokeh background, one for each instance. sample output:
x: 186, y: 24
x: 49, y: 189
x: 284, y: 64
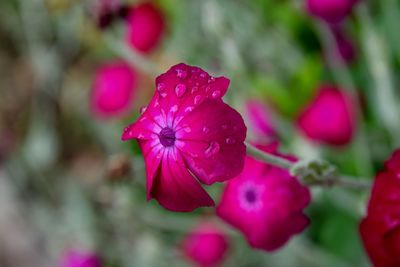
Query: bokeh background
x: 66, y: 179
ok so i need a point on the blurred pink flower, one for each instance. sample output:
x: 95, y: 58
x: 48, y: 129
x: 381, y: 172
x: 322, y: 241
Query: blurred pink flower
x: 344, y: 45
x: 331, y: 11
x: 113, y: 90
x: 330, y: 117
x: 380, y: 229
x: 206, y: 245
x: 105, y: 11
x: 265, y: 203
x: 259, y: 120
x: 188, y: 132
x: 146, y: 25
x: 78, y: 258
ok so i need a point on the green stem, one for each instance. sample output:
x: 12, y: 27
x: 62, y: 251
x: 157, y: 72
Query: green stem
x: 268, y: 158
x: 313, y: 174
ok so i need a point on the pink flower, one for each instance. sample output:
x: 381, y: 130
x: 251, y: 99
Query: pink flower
x: 187, y: 133
x: 344, y: 45
x: 265, y: 203
x: 380, y: 229
x: 330, y: 117
x: 331, y: 11
x: 206, y: 245
x: 113, y: 90
x: 146, y: 25
x: 105, y: 11
x: 260, y: 121
x: 75, y: 258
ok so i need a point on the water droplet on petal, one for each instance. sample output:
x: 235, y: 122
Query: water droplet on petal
x: 208, y: 88
x: 212, y: 79
x: 206, y: 130
x: 189, y: 109
x: 161, y: 89
x: 195, y: 89
x: 212, y: 149
x: 180, y: 90
x: 216, y: 94
x: 181, y: 73
x: 142, y: 109
x: 203, y: 75
x: 174, y: 108
x: 224, y: 126
x: 197, y: 99
x: 187, y: 129
x: 230, y: 140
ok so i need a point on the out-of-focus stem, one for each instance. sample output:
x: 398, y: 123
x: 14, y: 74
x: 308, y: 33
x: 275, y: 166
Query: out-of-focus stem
x: 268, y: 158
x: 343, y: 76
x: 377, y: 59
x: 131, y: 56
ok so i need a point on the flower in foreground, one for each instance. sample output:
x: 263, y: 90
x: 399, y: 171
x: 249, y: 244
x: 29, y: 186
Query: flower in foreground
x: 113, y: 89
x: 330, y: 117
x: 145, y: 27
x: 206, y: 245
x: 265, y: 203
x: 187, y: 133
x: 380, y: 230
x: 78, y: 258
x: 331, y: 11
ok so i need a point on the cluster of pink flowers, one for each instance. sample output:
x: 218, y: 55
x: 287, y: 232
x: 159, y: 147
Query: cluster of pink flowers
x: 380, y: 229
x: 115, y: 82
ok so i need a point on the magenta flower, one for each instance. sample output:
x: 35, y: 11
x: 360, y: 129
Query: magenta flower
x: 260, y: 121
x: 187, y: 133
x: 330, y: 117
x: 76, y: 258
x: 331, y: 11
x: 265, y: 203
x: 344, y: 45
x: 113, y: 90
x: 146, y: 25
x: 206, y: 246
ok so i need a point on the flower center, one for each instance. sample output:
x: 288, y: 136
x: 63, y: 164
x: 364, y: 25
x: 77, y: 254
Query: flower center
x: 167, y: 137
x: 250, y: 196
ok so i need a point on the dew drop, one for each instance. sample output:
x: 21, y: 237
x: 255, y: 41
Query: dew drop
x: 174, y: 108
x: 160, y: 87
x: 206, y: 130
x: 187, y: 129
x: 212, y: 79
x: 195, y: 89
x: 230, y: 141
x: 216, y: 94
x: 180, y: 73
x: 180, y: 90
x: 208, y: 88
x: 142, y: 109
x: 197, y: 99
x: 189, y: 109
x: 224, y: 126
x: 212, y: 149
x: 203, y: 75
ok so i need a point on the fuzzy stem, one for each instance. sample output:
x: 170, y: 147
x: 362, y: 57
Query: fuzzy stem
x: 268, y: 158
x: 320, y: 180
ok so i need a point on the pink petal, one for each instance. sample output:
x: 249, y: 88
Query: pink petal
x: 211, y: 138
x: 153, y: 153
x: 175, y: 188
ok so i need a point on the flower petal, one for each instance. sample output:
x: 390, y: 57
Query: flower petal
x: 175, y: 188
x: 211, y: 138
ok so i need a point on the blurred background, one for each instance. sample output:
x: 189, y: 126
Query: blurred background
x: 68, y: 182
